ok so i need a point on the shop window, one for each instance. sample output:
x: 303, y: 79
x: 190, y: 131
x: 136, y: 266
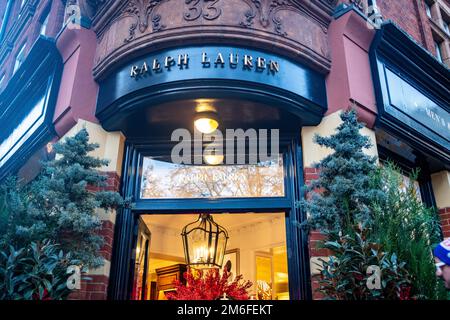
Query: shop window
x: 437, y: 46
x: 44, y: 24
x: 3, y: 18
x: 164, y: 180
x: 20, y: 57
x: 406, y: 181
x: 428, y: 9
x: 256, y: 250
x: 22, y: 3
x: 22, y: 131
x: 445, y: 22
x: 446, y: 27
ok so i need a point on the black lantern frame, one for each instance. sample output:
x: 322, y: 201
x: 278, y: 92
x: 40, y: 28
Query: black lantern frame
x: 212, y: 235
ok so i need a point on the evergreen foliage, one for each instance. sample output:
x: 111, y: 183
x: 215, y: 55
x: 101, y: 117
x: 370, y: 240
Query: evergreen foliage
x: 344, y: 275
x: 369, y: 216
x: 35, y: 272
x: 345, y: 188
x: 59, y: 205
x: 404, y: 225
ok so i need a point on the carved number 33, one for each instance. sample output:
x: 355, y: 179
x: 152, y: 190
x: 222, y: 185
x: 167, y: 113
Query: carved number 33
x: 196, y: 10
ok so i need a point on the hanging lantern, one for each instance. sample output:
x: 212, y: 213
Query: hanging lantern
x: 204, y: 243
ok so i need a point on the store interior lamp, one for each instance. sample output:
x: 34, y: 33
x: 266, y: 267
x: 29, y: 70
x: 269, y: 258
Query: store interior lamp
x: 204, y: 243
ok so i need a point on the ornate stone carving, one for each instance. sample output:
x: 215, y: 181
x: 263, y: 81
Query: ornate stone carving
x: 267, y: 16
x: 293, y: 28
x: 202, y: 8
x: 142, y: 11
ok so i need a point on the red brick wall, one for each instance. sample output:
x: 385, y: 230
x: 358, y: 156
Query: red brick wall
x: 410, y: 15
x: 94, y: 289
x: 445, y: 221
x: 112, y: 183
x: 314, y: 238
x: 310, y: 174
x: 30, y: 32
x: 107, y: 232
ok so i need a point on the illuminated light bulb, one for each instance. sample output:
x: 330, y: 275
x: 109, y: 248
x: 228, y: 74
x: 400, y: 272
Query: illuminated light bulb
x: 206, y: 125
x: 213, y: 159
x: 206, y: 122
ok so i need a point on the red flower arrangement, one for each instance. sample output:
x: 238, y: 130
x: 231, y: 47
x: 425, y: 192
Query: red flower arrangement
x: 405, y: 293
x: 210, y: 285
x: 45, y: 296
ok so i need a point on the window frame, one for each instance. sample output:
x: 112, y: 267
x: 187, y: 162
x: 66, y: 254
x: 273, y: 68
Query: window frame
x: 142, y: 167
x: 122, y: 272
x: 20, y: 53
x: 406, y: 166
x: 428, y: 9
x: 43, y: 28
x: 218, y: 204
x: 437, y: 47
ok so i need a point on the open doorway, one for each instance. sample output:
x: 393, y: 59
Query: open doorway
x: 256, y: 249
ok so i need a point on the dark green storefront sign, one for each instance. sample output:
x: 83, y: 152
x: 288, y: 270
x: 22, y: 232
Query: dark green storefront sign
x: 242, y: 72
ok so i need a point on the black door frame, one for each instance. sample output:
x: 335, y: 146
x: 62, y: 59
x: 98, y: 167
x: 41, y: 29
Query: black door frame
x: 125, y: 235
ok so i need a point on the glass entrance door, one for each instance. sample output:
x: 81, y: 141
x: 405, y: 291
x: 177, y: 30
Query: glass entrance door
x: 256, y: 249
x: 167, y: 196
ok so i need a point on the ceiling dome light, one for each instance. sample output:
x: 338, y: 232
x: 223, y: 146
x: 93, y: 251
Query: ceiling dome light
x: 213, y: 159
x: 206, y: 122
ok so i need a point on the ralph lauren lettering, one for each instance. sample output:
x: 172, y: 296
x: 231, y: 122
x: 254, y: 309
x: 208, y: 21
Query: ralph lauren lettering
x: 220, y: 61
x: 182, y: 61
x: 156, y: 66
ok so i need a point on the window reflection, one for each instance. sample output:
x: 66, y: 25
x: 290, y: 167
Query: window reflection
x: 168, y: 180
x: 22, y: 132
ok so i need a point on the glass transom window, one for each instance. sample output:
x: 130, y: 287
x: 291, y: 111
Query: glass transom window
x: 164, y: 180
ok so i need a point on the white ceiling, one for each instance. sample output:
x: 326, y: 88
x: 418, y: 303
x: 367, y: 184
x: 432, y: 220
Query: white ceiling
x: 227, y: 220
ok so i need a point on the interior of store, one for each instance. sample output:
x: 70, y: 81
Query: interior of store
x: 256, y: 249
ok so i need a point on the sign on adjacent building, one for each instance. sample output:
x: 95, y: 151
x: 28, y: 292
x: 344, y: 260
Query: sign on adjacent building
x: 413, y: 93
x: 27, y: 105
